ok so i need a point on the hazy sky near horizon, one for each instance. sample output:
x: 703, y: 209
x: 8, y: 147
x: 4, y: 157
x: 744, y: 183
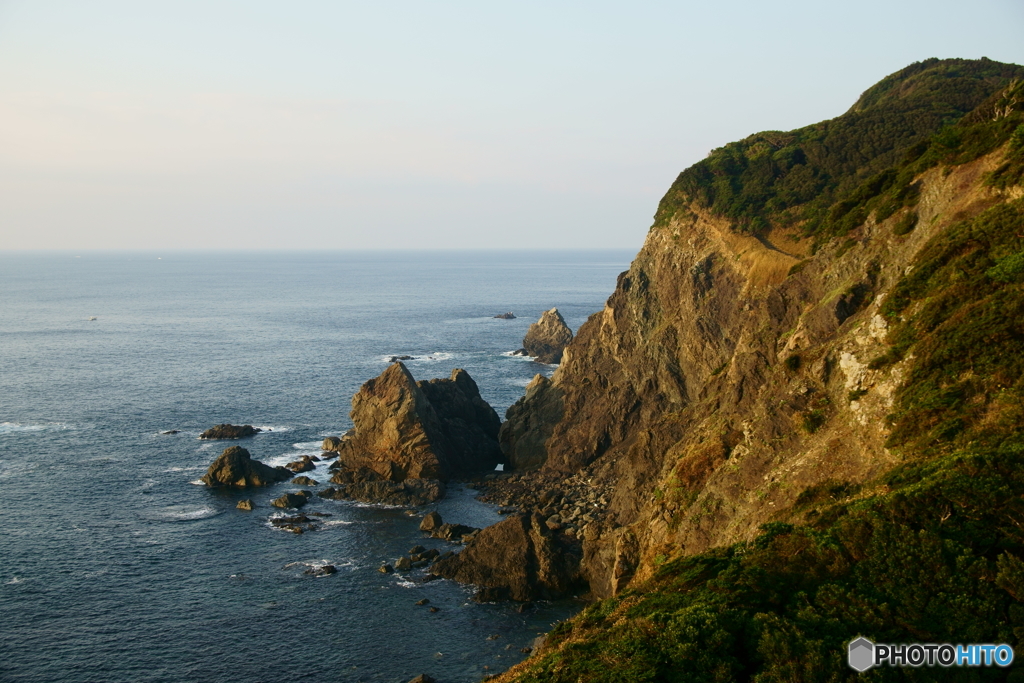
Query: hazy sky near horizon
x: 332, y: 125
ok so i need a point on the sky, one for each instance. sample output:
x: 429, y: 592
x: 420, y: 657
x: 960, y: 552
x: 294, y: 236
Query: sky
x: 308, y: 125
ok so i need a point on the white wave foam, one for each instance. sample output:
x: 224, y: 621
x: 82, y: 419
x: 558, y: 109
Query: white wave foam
x: 271, y: 428
x: 17, y: 427
x: 407, y: 584
x: 180, y: 513
x: 184, y: 469
x: 337, y: 522
x: 198, y: 482
x: 14, y: 581
x: 308, y: 446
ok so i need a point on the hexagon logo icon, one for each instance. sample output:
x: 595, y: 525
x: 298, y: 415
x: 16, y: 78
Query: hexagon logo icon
x: 861, y: 654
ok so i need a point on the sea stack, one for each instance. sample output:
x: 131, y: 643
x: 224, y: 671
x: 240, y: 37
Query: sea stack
x: 407, y: 430
x: 548, y: 337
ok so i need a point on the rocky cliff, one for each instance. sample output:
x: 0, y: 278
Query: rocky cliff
x: 806, y: 396
x: 743, y: 371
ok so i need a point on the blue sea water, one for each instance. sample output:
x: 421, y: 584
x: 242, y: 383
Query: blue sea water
x: 116, y: 566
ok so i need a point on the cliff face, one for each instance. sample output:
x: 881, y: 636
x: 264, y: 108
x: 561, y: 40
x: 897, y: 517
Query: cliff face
x: 729, y: 380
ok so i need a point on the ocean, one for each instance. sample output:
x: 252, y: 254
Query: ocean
x: 116, y: 565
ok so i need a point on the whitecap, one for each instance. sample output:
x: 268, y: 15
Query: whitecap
x: 18, y: 427
x: 198, y: 482
x: 308, y: 446
x: 265, y: 428
x: 337, y: 522
x: 14, y: 581
x: 180, y: 513
x: 407, y: 584
x: 184, y: 469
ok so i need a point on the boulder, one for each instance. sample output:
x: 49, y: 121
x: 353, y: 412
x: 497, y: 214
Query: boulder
x: 246, y: 505
x: 305, y: 481
x: 520, y: 555
x: 424, y: 678
x: 235, y: 467
x: 305, y: 464
x: 452, y: 532
x: 509, y: 315
x: 290, y: 500
x: 408, y: 430
x: 403, y: 564
x: 548, y: 337
x: 171, y: 431
x: 325, y: 570
x: 228, y: 431
x: 431, y: 521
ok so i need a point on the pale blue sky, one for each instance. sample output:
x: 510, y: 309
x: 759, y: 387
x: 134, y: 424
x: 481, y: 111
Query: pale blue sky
x: 327, y: 125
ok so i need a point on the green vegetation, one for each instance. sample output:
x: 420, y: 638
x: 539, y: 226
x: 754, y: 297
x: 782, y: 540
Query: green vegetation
x: 933, y: 551
x: 831, y: 175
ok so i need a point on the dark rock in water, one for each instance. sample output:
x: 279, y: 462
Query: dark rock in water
x: 548, y: 337
x: 429, y: 554
x: 406, y: 429
x: 520, y: 352
x: 424, y: 678
x: 519, y: 554
x: 246, y: 504
x: 325, y: 570
x: 416, y: 550
x: 403, y: 564
x: 395, y: 359
x: 506, y: 316
x: 431, y: 521
x: 228, y: 431
x: 408, y: 492
x: 529, y: 423
x: 429, y: 577
x: 386, y: 569
x: 424, y: 601
x: 305, y: 464
x: 499, y: 594
x: 289, y: 500
x: 434, y: 610
x: 305, y: 481
x: 453, y: 532
x: 235, y: 467
x: 171, y: 431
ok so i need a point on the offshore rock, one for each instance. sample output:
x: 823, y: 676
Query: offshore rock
x: 520, y: 555
x: 509, y: 315
x: 406, y: 429
x: 246, y: 505
x: 290, y: 500
x: 548, y: 337
x: 431, y: 521
x: 235, y: 467
x: 229, y: 431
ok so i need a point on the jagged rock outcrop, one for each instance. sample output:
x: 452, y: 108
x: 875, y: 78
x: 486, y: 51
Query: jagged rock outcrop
x: 409, y: 430
x: 519, y: 558
x: 546, y: 338
x: 235, y: 467
x: 229, y: 431
x: 729, y: 373
x: 529, y: 423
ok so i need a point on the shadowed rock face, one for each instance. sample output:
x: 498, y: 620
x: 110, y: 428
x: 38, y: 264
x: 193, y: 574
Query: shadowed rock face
x: 547, y: 337
x: 519, y: 554
x: 406, y: 429
x: 529, y: 423
x: 235, y: 467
